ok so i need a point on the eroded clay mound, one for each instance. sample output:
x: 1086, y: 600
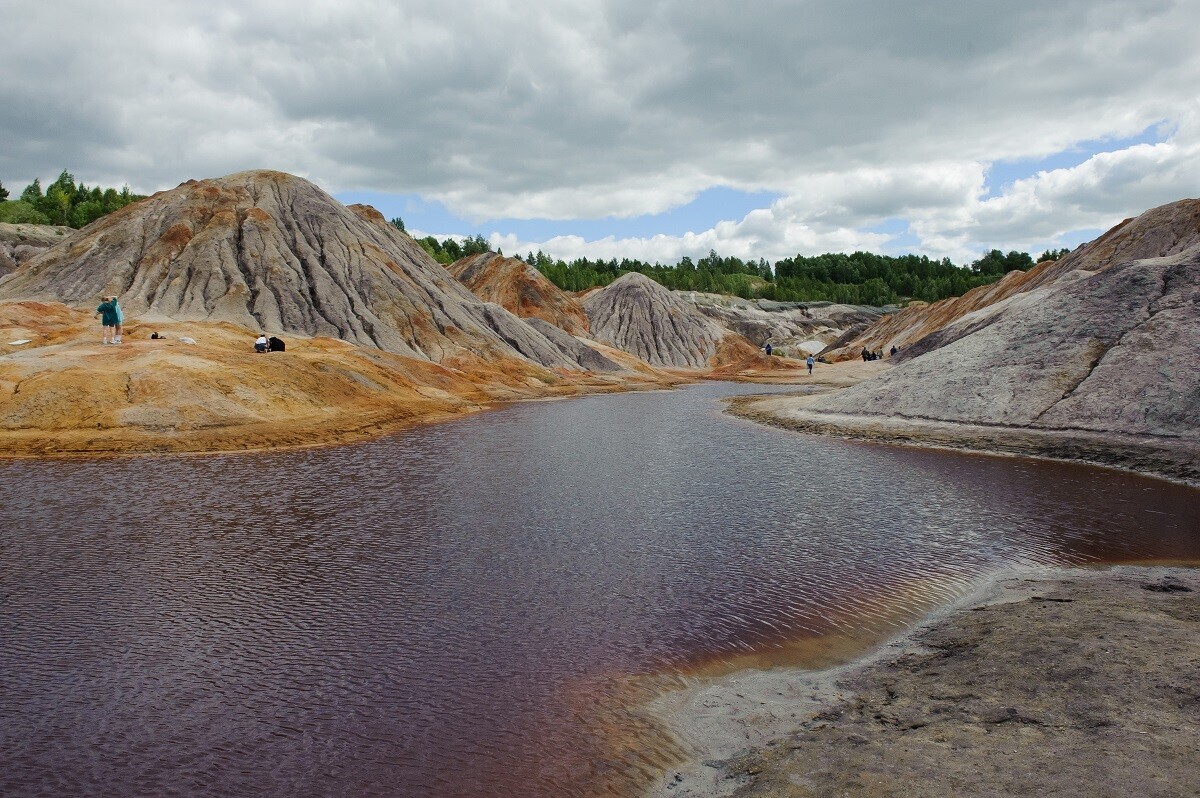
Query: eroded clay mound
x: 643, y: 318
x: 520, y: 289
x: 271, y: 251
x: 1166, y: 230
x: 22, y: 242
x: 1116, y: 350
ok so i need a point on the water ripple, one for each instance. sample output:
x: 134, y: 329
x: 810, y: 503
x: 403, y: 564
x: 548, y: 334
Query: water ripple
x: 457, y: 610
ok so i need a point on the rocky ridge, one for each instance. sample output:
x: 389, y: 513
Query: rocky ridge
x: 1114, y: 349
x: 795, y: 329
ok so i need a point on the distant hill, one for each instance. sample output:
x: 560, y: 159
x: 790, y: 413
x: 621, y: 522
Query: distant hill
x: 521, y: 289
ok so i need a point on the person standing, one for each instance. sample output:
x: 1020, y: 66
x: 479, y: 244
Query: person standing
x: 810, y: 362
x: 108, y: 319
x: 120, y: 317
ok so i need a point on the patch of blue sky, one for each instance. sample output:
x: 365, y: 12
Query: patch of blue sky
x: 710, y: 206
x: 902, y: 240
x: 1002, y: 174
x: 1074, y: 238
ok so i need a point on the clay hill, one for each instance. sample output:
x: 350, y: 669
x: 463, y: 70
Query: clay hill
x: 22, y: 242
x: 270, y: 251
x: 641, y: 317
x: 1098, y: 363
x: 377, y: 333
x: 1162, y: 231
x: 521, y: 289
x: 795, y: 329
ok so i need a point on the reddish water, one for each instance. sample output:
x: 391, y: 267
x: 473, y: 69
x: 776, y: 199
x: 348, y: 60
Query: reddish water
x: 458, y: 610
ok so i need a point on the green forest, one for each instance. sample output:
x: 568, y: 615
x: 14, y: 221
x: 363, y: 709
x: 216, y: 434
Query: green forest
x: 858, y: 278
x: 64, y: 202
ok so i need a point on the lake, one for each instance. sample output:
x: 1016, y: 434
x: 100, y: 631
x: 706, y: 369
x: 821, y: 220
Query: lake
x: 475, y: 608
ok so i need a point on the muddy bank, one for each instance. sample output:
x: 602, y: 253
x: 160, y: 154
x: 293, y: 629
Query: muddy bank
x: 1067, y: 682
x: 1174, y: 458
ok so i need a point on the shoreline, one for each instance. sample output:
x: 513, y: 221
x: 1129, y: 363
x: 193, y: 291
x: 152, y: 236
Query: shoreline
x: 1173, y: 459
x: 200, y: 390
x: 981, y: 697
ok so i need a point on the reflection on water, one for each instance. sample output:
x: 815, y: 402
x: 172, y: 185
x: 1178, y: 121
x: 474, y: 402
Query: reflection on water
x: 451, y: 611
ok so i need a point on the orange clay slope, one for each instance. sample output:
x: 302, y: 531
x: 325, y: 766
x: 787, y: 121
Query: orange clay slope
x: 520, y: 289
x: 63, y: 393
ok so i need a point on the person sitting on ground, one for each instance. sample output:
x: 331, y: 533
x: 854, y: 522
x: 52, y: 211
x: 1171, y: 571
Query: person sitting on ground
x: 894, y: 351
x: 276, y: 345
x: 261, y: 343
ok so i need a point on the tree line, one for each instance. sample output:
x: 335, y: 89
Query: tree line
x: 64, y: 202
x: 858, y: 278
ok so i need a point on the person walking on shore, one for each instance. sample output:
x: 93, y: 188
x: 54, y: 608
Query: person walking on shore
x: 108, y: 319
x: 810, y: 362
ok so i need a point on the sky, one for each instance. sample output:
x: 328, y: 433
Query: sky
x: 633, y: 128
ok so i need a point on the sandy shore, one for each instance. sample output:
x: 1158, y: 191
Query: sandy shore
x: 1177, y: 459
x: 1063, y: 682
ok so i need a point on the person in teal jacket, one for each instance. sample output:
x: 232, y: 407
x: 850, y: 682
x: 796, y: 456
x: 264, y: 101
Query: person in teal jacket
x: 120, y: 319
x: 107, y: 312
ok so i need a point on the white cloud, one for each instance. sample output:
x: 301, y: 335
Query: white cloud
x: 854, y: 111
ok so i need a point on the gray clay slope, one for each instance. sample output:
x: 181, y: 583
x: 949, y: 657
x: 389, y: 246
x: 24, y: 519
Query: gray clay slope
x: 267, y: 250
x: 1115, y: 350
x: 638, y: 315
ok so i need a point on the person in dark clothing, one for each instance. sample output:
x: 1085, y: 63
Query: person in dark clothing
x: 274, y: 344
x: 894, y: 351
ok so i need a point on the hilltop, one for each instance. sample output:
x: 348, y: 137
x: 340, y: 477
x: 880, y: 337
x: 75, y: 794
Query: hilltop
x: 520, y: 289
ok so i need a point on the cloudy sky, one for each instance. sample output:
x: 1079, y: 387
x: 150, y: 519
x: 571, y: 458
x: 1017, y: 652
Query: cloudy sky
x: 633, y: 128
